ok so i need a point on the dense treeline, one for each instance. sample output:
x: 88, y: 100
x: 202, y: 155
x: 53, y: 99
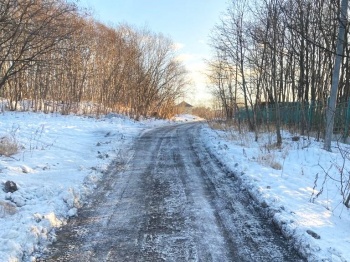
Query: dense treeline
x: 276, y: 53
x: 60, y: 59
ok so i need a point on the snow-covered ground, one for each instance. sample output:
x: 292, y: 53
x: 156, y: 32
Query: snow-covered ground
x: 298, y: 184
x: 63, y: 157
x: 186, y: 118
x: 58, y: 165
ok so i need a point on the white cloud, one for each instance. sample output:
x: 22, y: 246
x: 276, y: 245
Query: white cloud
x: 197, y: 70
x: 196, y: 67
x: 178, y: 46
x: 185, y: 57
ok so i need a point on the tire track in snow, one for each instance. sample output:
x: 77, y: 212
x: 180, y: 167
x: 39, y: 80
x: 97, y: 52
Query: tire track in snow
x: 171, y: 202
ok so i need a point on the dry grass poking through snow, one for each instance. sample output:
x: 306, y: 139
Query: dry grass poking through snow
x: 268, y: 151
x: 218, y: 125
x: 267, y: 156
x: 269, y: 159
x: 231, y: 132
x: 8, y: 146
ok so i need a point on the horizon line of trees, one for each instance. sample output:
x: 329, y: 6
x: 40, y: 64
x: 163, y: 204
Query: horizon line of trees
x: 279, y: 52
x: 57, y: 57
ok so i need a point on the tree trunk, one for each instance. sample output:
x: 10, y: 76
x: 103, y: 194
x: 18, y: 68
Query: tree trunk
x: 335, y: 76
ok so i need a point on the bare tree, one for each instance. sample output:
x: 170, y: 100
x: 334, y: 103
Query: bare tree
x: 30, y: 29
x: 222, y: 83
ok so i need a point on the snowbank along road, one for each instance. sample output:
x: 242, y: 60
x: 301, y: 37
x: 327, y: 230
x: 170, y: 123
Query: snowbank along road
x: 167, y: 199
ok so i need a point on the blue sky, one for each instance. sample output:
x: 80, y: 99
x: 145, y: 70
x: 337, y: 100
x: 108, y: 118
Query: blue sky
x: 187, y: 22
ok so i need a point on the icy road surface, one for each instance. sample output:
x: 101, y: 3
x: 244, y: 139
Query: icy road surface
x: 168, y: 199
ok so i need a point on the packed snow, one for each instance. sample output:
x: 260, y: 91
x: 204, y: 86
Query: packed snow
x: 298, y: 184
x: 62, y: 158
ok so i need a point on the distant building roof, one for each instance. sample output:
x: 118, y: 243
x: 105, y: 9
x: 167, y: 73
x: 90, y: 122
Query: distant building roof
x: 184, y: 104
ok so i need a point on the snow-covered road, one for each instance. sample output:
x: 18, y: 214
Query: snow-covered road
x: 168, y: 199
